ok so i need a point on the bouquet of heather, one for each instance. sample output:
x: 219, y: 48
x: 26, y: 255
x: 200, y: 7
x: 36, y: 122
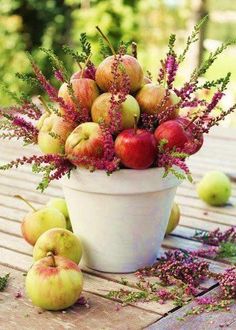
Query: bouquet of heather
x: 110, y: 117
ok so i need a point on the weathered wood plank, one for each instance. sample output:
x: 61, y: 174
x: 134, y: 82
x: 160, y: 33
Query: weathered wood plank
x: 206, y: 321
x: 102, y: 314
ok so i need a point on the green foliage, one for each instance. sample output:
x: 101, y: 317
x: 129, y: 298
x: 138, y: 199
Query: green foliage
x: 3, y: 281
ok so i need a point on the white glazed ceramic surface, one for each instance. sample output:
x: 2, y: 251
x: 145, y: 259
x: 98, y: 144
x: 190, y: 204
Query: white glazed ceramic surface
x: 121, y: 219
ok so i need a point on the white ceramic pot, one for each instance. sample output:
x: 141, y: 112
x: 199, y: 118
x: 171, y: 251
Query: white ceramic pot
x: 121, y: 219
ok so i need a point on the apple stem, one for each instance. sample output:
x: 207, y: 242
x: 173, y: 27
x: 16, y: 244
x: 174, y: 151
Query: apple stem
x: 85, y: 64
x: 134, y: 49
x: 26, y: 202
x: 135, y: 124
x: 50, y: 254
x: 80, y: 66
x: 107, y: 40
x: 44, y: 104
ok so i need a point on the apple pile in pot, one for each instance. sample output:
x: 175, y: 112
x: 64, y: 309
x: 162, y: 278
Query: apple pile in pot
x: 114, y: 115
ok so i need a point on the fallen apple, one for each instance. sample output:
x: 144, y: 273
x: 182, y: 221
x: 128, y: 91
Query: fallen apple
x: 129, y: 108
x: 60, y: 204
x: 104, y: 76
x: 61, y: 242
x: 54, y: 283
x: 36, y: 222
x: 174, y: 218
x: 53, y: 134
x: 214, y: 188
x: 84, y: 142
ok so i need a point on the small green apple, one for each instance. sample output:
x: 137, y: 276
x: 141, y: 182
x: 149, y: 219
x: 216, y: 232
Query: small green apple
x: 174, y: 218
x: 54, y: 283
x: 61, y: 242
x: 36, y: 222
x: 214, y: 188
x: 60, y: 204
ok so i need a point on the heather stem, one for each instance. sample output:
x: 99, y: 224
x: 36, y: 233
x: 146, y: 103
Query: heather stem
x: 134, y: 49
x: 50, y: 254
x: 85, y: 64
x: 135, y: 124
x: 107, y: 40
x: 26, y: 202
x: 41, y: 99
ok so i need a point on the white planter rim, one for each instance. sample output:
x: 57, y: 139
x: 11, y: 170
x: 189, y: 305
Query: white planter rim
x: 124, y: 181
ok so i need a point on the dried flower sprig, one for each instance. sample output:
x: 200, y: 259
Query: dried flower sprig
x: 216, y: 237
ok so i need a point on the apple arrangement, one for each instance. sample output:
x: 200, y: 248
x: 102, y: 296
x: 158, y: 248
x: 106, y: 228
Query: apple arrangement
x: 112, y: 117
x: 54, y: 283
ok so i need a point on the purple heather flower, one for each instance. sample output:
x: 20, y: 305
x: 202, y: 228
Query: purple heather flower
x: 59, y: 75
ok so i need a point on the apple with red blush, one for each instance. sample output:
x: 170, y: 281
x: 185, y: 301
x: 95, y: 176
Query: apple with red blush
x: 136, y: 148
x: 104, y: 76
x: 85, y: 92
x: 88, y: 72
x: 150, y: 98
x: 54, y: 283
x: 179, y: 134
x: 86, y: 141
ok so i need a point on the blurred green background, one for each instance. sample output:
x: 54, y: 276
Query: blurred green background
x: 25, y: 25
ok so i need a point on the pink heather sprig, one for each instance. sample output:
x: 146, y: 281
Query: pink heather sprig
x: 59, y: 76
x: 168, y: 161
x: 171, y: 66
x: 179, y: 265
x: 206, y: 300
x: 70, y: 113
x: 93, y: 163
x: 149, y: 122
x: 119, y: 90
x: 162, y: 72
x: 167, y: 112
x: 216, y: 237
x: 90, y: 71
x: 186, y: 91
x: 109, y: 151
x: 227, y: 282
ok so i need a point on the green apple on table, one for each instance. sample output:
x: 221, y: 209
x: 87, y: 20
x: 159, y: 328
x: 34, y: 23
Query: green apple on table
x: 214, y: 188
x: 61, y: 242
x: 60, y: 204
x: 36, y: 222
x: 54, y: 283
x: 174, y: 218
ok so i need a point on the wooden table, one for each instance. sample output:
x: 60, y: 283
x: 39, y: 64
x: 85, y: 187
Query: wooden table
x: 15, y: 254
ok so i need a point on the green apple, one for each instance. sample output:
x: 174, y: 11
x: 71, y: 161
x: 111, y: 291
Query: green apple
x: 54, y: 283
x: 53, y: 133
x: 60, y: 204
x: 61, y: 242
x: 129, y: 109
x: 174, y: 218
x: 214, y: 188
x: 36, y: 222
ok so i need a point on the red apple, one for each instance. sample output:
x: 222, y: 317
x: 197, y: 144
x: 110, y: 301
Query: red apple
x: 85, y: 92
x: 136, y: 148
x: 129, y: 108
x: 173, y: 132
x: 104, y: 76
x: 179, y: 134
x: 150, y: 97
x: 85, y: 141
x: 54, y: 283
x: 53, y: 133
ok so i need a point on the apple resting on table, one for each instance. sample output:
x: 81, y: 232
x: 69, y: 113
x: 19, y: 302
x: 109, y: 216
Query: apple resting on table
x: 60, y: 205
x: 84, y: 142
x: 129, y: 108
x: 174, y: 218
x: 131, y: 67
x: 54, y: 283
x: 36, y: 222
x: 61, y: 242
